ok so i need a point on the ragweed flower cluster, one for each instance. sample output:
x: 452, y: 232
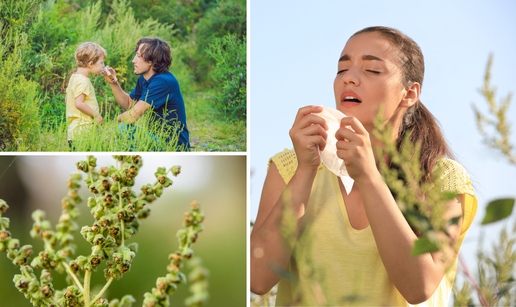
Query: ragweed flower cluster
x: 419, y: 197
x: 168, y: 284
x: 117, y: 209
x: 198, y: 278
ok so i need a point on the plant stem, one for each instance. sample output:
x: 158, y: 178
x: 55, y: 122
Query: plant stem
x: 86, y: 292
x: 97, y: 297
x: 65, y: 264
x: 87, y: 279
x: 91, y: 178
x: 122, y: 224
x: 75, y: 278
x: 24, y: 271
x: 54, y: 302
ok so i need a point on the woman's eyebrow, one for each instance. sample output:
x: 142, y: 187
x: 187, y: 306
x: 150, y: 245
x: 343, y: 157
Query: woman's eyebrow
x: 366, y: 57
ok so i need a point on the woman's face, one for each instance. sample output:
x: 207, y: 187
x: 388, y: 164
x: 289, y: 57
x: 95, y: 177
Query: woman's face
x: 368, y: 76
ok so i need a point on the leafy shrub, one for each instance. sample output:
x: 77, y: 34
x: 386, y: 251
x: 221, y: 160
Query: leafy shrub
x: 231, y: 75
x: 229, y: 17
x: 19, y: 102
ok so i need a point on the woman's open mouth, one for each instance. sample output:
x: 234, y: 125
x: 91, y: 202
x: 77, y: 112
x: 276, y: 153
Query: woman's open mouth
x: 349, y: 98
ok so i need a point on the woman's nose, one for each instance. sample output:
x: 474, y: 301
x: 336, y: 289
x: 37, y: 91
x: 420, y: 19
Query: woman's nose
x: 351, y: 77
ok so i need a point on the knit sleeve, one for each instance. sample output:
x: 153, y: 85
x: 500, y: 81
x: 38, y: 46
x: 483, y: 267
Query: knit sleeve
x: 455, y: 179
x: 286, y: 162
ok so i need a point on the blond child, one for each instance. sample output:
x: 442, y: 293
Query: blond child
x: 82, y: 107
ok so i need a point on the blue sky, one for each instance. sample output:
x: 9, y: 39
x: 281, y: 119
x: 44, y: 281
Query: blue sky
x: 295, y: 46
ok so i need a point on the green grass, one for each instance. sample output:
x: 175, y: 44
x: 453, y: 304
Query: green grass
x: 209, y: 129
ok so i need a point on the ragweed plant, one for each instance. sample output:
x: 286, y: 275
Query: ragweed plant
x: 117, y: 210
x: 501, y: 139
x: 419, y: 198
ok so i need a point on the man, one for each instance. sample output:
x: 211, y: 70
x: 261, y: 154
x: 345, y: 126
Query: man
x: 156, y: 89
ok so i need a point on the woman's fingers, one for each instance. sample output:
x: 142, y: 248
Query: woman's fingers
x: 302, y: 112
x: 355, y: 124
x: 309, y: 120
x: 314, y: 134
x: 346, y: 134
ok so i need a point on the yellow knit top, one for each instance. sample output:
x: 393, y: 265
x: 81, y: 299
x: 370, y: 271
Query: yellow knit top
x: 334, y: 264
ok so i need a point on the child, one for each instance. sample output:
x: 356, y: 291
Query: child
x: 82, y: 107
x: 356, y: 248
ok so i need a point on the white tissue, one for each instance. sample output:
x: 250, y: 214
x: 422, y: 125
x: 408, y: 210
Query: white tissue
x: 329, y: 154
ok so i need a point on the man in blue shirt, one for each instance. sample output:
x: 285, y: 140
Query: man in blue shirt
x: 156, y: 89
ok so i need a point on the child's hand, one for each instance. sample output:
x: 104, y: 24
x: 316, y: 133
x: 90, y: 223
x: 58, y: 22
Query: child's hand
x: 107, y: 77
x: 99, y: 119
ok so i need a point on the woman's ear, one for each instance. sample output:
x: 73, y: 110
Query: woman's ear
x: 411, y: 95
x: 90, y: 64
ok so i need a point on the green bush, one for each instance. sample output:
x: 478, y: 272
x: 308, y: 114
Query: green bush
x: 229, y: 53
x: 229, y: 17
x: 19, y: 119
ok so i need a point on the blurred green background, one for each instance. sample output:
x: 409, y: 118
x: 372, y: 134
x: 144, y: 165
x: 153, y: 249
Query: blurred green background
x: 218, y: 183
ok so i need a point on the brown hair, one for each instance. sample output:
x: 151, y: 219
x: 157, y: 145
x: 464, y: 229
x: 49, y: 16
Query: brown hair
x: 157, y: 51
x: 417, y: 120
x: 88, y: 52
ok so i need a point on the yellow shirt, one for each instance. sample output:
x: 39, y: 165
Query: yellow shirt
x: 75, y: 119
x: 334, y: 264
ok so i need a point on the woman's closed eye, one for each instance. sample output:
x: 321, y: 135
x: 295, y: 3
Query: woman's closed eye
x: 374, y: 71
x: 368, y: 70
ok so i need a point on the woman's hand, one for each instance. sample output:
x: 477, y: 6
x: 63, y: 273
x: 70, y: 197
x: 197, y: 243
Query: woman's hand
x: 308, y: 134
x: 354, y: 147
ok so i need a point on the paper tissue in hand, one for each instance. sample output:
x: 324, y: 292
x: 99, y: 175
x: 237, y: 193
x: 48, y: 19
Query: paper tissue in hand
x: 329, y: 154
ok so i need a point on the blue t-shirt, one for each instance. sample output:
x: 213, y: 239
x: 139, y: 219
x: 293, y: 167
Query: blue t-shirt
x: 163, y: 93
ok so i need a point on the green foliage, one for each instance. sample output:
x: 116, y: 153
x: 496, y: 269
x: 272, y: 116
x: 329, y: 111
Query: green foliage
x: 231, y: 75
x: 52, y: 30
x: 117, y: 211
x: 229, y: 17
x: 495, y: 271
x: 495, y: 268
x: 112, y: 136
x: 184, y: 14
x: 498, y: 210
x: 19, y: 119
x: 419, y: 198
x: 501, y: 139
x: 463, y: 297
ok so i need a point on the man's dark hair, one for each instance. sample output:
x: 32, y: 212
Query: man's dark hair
x: 157, y: 51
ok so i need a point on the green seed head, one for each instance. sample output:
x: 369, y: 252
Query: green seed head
x: 82, y: 166
x: 3, y: 206
x: 176, y: 170
x: 46, y: 290
x: 4, y: 235
x: 104, y: 171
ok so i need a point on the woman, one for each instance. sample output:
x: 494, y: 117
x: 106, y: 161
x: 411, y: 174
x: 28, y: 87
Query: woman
x: 355, y: 248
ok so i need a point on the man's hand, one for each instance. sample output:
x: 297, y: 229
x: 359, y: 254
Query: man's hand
x: 131, y: 115
x: 107, y: 77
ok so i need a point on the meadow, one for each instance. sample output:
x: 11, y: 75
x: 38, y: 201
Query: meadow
x: 39, y: 38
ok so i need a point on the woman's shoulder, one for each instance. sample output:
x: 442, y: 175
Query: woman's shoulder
x: 454, y: 177
x: 286, y: 163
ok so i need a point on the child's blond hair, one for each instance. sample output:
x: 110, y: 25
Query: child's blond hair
x: 89, y: 52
